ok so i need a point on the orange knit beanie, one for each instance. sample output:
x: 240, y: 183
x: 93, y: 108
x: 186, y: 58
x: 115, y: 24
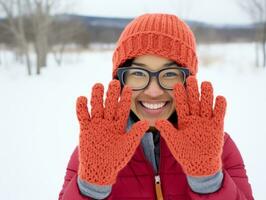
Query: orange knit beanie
x: 158, y: 34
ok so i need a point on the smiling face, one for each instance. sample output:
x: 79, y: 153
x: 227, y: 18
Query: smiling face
x: 153, y: 102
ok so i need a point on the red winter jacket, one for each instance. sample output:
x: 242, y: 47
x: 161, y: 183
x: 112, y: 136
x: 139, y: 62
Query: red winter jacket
x: 136, y: 180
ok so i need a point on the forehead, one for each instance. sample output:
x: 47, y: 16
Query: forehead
x: 152, y: 62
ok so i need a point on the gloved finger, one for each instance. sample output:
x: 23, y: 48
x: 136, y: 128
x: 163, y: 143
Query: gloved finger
x: 206, y: 103
x: 82, y: 110
x: 137, y: 131
x: 181, y: 103
x: 166, y: 129
x: 219, y: 109
x: 111, y: 101
x: 193, y: 95
x: 130, y: 141
x: 123, y: 107
x: 97, y: 101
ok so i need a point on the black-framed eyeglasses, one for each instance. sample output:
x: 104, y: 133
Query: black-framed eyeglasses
x: 139, y: 78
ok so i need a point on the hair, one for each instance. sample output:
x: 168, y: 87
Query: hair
x: 127, y: 63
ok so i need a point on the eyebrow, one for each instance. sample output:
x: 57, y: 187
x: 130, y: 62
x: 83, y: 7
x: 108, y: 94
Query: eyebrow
x: 144, y: 65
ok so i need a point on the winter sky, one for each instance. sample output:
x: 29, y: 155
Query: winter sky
x: 210, y: 11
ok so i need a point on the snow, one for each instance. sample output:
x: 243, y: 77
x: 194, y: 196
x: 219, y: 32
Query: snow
x: 39, y: 129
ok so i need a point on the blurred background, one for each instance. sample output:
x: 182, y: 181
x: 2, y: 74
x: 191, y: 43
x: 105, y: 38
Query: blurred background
x: 52, y: 51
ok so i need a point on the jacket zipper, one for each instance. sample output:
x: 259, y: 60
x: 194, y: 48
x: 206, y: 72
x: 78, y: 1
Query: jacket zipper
x: 158, y: 187
x: 157, y: 179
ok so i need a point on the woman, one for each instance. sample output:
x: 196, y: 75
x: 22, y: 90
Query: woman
x: 156, y: 136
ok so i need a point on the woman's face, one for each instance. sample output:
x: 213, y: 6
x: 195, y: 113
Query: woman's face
x: 153, y: 102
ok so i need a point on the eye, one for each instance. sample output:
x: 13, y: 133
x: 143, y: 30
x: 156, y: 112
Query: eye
x: 137, y: 73
x: 170, y: 74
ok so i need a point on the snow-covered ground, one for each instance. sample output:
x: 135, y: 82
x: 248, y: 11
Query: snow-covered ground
x: 39, y: 129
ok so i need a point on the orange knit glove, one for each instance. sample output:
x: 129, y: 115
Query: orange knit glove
x: 197, y: 141
x: 104, y: 146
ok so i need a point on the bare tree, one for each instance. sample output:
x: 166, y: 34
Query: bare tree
x: 40, y: 21
x: 16, y: 26
x: 67, y: 31
x: 30, y: 17
x: 256, y: 9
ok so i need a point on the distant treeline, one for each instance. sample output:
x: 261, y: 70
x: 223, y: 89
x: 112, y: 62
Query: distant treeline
x: 83, y: 30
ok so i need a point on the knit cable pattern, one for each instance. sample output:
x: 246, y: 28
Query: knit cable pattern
x: 104, y: 146
x: 197, y: 141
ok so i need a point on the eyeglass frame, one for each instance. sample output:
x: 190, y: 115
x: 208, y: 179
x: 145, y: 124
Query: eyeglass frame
x: 121, y: 71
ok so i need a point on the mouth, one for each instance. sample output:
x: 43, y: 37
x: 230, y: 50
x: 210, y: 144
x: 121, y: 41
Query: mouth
x: 153, y: 108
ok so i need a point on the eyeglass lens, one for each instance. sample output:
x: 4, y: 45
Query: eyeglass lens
x: 139, y: 78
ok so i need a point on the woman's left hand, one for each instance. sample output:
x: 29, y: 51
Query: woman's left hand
x: 197, y: 140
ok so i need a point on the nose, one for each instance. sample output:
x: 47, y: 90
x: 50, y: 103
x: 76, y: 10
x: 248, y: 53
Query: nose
x: 153, y: 89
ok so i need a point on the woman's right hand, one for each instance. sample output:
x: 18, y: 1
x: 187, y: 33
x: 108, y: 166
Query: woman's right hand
x: 104, y: 146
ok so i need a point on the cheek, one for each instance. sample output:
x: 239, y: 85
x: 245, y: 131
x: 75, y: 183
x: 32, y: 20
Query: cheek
x: 133, y: 101
x: 172, y: 101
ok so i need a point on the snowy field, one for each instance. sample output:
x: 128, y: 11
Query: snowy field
x: 39, y: 129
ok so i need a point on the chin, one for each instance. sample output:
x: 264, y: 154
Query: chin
x: 151, y: 122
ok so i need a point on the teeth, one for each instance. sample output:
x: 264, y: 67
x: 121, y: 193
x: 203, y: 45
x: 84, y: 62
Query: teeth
x: 153, y: 106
